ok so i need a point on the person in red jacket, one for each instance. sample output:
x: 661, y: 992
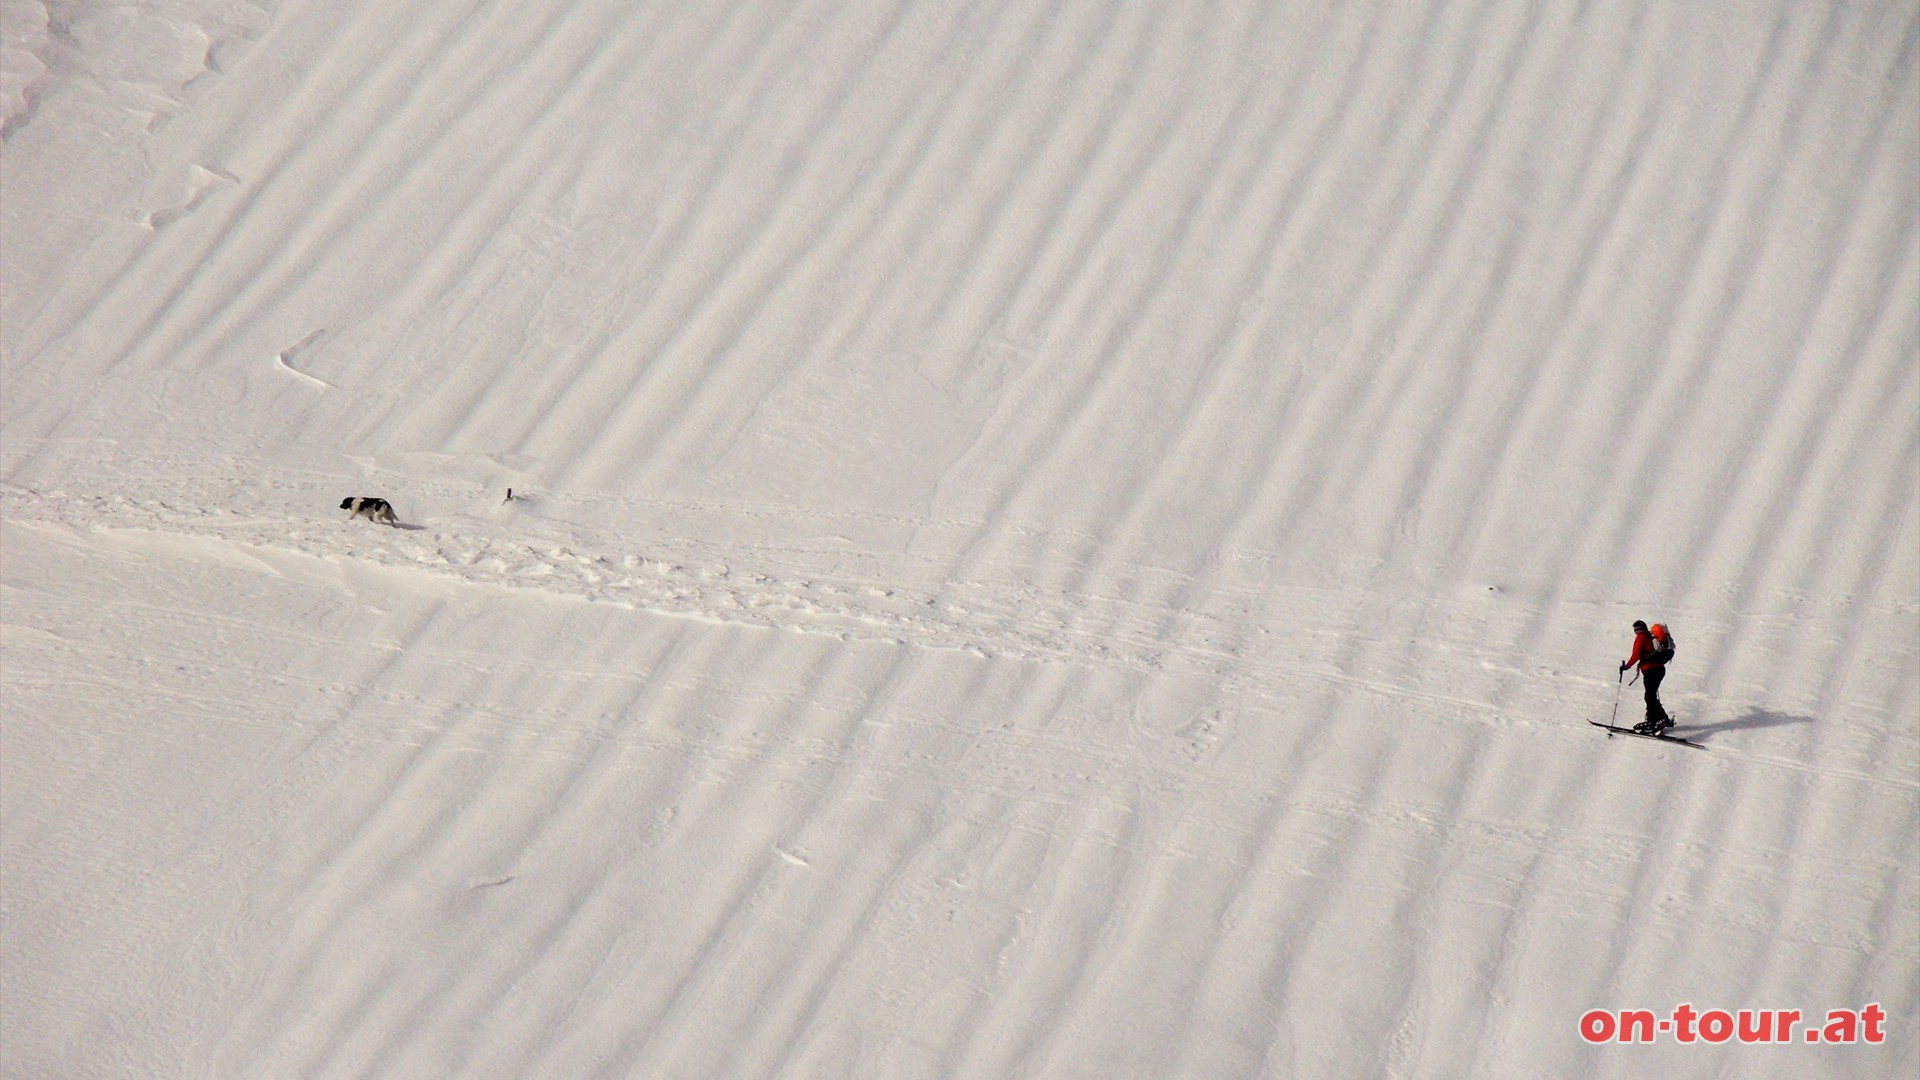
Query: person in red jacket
x: 1650, y: 652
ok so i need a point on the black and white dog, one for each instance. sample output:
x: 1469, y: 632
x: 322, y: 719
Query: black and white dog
x: 372, y: 509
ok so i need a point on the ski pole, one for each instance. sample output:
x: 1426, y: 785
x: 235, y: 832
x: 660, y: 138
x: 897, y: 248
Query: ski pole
x: 1617, y: 683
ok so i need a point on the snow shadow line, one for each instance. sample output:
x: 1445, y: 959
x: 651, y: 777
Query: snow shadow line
x: 1757, y: 718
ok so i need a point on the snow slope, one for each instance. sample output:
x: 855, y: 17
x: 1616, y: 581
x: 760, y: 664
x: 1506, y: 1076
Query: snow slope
x: 1067, y: 539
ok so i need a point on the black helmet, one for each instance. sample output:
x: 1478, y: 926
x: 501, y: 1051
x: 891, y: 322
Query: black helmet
x: 1639, y: 625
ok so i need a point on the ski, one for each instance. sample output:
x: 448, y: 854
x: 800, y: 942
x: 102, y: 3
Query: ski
x: 1612, y: 731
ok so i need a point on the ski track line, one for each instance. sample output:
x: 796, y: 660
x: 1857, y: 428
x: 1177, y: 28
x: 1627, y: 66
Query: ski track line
x: 978, y: 617
x: 983, y: 618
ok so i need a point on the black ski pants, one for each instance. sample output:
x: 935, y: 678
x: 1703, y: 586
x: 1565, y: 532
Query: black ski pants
x: 1652, y: 677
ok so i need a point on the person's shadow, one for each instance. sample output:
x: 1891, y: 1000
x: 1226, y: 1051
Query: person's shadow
x: 1756, y: 718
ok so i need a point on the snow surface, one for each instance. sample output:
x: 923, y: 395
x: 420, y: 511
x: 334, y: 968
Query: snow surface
x: 1067, y: 539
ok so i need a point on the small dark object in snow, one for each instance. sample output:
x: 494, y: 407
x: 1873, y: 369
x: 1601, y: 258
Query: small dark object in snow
x: 370, y: 508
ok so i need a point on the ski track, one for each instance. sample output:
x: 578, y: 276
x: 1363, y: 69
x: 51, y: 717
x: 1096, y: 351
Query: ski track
x: 723, y: 584
x: 868, y: 746
x: 812, y: 592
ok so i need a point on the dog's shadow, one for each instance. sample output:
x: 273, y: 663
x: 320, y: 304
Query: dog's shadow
x: 407, y: 527
x: 1755, y: 718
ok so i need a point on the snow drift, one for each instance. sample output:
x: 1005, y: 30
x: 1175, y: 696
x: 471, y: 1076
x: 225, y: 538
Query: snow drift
x: 1060, y: 540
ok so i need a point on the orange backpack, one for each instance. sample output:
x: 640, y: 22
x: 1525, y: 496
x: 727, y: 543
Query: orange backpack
x: 1662, y: 643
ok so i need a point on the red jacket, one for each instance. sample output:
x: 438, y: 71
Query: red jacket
x: 1643, y: 650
